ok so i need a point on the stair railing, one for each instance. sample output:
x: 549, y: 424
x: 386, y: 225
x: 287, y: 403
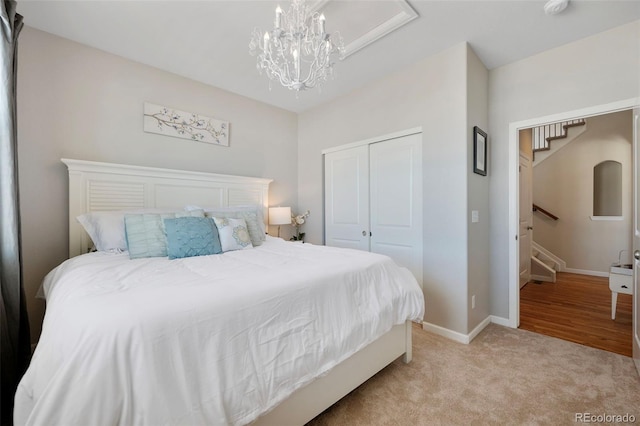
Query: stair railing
x: 539, y: 209
x: 543, y: 135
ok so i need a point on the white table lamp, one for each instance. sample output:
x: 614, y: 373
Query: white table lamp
x: 279, y: 216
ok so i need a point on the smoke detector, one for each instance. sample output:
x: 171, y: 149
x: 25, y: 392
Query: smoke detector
x: 553, y: 7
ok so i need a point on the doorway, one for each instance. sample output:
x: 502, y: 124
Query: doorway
x: 567, y: 293
x: 514, y: 223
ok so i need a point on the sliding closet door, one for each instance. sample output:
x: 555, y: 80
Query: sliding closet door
x: 396, y: 200
x: 347, y: 198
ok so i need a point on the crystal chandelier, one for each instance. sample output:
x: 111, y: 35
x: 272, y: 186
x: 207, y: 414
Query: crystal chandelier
x: 298, y: 51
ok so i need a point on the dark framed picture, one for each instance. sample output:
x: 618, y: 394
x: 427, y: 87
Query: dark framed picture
x: 479, y: 151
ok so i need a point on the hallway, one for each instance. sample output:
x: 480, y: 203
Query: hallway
x: 577, y: 308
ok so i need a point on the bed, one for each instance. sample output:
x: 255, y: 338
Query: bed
x: 271, y: 335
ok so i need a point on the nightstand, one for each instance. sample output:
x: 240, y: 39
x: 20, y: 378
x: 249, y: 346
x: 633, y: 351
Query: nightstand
x: 620, y: 281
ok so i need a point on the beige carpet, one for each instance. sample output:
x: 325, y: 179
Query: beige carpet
x: 505, y: 376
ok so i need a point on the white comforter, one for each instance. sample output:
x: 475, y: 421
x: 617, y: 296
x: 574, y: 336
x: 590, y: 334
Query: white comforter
x: 205, y: 340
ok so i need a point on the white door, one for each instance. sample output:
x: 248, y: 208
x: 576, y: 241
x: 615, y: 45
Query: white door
x: 396, y: 201
x: 346, y: 183
x: 636, y: 240
x: 526, y: 219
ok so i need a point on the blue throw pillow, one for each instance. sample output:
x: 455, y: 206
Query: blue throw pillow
x: 191, y: 236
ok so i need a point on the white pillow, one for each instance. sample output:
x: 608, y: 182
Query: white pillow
x: 106, y: 228
x: 233, y: 233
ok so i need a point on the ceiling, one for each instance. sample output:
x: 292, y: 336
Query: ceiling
x: 207, y: 40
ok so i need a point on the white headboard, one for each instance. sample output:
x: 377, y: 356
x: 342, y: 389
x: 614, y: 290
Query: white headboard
x: 95, y: 186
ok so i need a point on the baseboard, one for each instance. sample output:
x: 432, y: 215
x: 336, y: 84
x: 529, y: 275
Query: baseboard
x: 586, y: 272
x: 454, y: 335
x: 500, y: 321
x: 445, y: 332
x: 485, y: 322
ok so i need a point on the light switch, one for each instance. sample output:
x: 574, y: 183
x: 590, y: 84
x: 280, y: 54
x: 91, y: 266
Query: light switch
x: 475, y: 217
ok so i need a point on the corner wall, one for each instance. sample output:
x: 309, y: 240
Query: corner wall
x: 75, y: 101
x: 477, y: 194
x: 596, y: 70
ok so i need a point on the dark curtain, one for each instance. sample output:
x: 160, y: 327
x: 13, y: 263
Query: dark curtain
x: 14, y: 324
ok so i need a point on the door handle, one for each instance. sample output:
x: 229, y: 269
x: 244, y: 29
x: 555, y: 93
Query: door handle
x: 636, y: 254
x: 364, y: 234
x: 530, y: 228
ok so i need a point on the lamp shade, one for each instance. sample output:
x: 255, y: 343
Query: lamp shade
x: 279, y: 215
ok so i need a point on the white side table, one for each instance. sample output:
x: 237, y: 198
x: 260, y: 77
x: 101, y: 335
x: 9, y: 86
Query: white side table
x: 620, y: 281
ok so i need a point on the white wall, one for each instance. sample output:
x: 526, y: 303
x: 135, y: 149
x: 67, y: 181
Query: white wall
x: 78, y: 102
x: 597, y: 70
x: 563, y: 184
x: 432, y: 94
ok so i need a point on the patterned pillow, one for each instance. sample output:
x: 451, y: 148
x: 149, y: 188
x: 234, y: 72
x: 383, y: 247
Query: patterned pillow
x: 145, y: 233
x: 252, y: 215
x: 191, y: 236
x: 233, y: 233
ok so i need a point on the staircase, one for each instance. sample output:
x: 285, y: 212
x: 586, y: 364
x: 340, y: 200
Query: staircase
x: 544, y: 264
x: 542, y: 136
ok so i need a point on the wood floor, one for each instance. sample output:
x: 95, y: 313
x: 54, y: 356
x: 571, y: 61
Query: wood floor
x: 577, y: 308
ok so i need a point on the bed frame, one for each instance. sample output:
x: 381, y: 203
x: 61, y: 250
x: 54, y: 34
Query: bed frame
x: 95, y: 186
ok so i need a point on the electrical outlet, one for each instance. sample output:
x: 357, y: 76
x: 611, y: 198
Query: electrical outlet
x: 473, y: 301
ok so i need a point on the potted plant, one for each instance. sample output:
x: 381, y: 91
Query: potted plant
x: 297, y: 221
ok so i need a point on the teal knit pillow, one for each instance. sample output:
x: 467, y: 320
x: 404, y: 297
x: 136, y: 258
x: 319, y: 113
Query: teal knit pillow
x: 191, y: 236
